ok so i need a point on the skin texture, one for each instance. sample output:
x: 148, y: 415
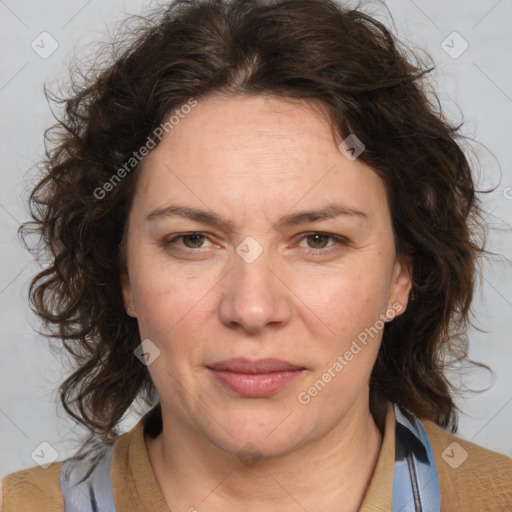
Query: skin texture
x: 252, y: 160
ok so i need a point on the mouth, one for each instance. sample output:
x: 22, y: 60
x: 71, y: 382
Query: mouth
x: 256, y: 378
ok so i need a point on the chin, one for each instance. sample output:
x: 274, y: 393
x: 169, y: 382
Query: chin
x: 256, y: 447
x: 258, y: 435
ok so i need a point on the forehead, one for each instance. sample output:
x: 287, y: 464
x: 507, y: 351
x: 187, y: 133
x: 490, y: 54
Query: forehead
x: 263, y: 152
x: 255, y: 128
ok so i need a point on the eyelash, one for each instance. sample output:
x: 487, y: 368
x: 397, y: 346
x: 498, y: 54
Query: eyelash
x: 339, y: 241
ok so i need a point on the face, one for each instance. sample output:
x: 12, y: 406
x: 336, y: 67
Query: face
x: 256, y: 277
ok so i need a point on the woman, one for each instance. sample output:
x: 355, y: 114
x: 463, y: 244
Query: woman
x: 259, y: 225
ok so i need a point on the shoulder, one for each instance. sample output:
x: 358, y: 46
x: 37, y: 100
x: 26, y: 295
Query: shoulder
x: 34, y: 488
x: 470, y: 476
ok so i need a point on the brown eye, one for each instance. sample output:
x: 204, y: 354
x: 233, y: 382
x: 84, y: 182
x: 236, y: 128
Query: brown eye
x: 193, y: 241
x: 322, y: 244
x: 187, y: 242
x: 319, y: 240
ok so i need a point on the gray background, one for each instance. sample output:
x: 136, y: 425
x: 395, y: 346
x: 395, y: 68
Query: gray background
x: 475, y: 86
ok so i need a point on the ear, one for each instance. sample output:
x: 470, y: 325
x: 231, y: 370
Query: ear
x: 126, y: 289
x: 401, y: 284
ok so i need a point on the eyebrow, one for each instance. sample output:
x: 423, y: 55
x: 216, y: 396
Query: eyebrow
x: 331, y: 211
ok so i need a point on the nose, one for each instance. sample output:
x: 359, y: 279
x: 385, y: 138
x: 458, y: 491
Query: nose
x: 254, y: 296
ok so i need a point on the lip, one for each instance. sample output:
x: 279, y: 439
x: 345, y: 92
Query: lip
x: 244, y: 365
x: 255, y: 378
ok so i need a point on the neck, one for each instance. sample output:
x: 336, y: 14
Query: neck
x: 332, y: 472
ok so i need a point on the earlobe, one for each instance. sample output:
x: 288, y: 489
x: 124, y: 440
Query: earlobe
x: 402, y: 283
x: 126, y: 290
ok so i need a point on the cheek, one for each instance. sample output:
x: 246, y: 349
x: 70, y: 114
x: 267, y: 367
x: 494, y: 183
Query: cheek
x: 344, y: 301
x: 347, y: 337
x: 171, y: 303
x: 173, y: 317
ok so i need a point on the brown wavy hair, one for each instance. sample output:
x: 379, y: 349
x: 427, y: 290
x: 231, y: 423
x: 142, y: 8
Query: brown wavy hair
x: 313, y: 50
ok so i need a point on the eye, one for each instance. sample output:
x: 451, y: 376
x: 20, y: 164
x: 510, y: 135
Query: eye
x: 196, y: 240
x: 191, y: 241
x: 318, y: 243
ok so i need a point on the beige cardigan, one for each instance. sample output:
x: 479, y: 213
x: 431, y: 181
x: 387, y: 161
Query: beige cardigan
x: 483, y: 482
